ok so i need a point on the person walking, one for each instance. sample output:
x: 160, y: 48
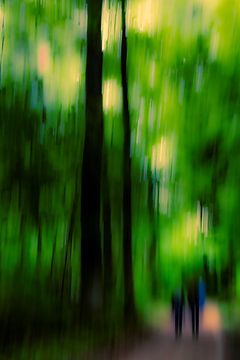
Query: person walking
x: 177, y: 309
x: 193, y: 301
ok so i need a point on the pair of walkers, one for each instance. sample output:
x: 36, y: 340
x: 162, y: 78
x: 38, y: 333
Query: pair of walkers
x: 195, y: 299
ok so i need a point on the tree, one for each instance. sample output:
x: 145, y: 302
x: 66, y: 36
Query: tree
x: 91, y: 262
x: 107, y: 231
x: 129, y: 305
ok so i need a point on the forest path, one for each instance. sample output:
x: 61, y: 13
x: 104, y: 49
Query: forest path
x: 163, y: 345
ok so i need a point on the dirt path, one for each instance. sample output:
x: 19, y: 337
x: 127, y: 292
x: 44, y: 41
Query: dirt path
x: 162, y: 345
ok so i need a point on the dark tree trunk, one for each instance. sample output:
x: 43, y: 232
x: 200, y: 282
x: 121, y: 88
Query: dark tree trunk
x: 91, y: 259
x: 129, y: 304
x: 107, y: 233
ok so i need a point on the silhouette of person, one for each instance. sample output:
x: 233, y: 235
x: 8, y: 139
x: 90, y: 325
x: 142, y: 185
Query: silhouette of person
x: 193, y: 301
x: 177, y: 309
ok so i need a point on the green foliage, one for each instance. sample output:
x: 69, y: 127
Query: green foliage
x: 183, y: 79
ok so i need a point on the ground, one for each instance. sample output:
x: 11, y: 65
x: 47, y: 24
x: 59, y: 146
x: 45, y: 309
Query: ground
x: 162, y: 345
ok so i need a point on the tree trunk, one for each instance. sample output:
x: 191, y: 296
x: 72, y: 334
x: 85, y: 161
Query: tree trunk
x: 107, y: 233
x: 129, y: 305
x: 91, y: 259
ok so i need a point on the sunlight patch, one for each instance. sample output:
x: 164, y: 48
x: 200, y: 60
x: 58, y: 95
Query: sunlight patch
x: 111, y: 96
x: 111, y: 24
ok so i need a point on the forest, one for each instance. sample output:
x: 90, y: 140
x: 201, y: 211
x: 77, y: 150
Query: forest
x: 119, y: 164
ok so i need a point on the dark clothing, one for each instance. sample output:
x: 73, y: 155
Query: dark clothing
x: 193, y: 301
x: 194, y: 308
x: 177, y: 308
